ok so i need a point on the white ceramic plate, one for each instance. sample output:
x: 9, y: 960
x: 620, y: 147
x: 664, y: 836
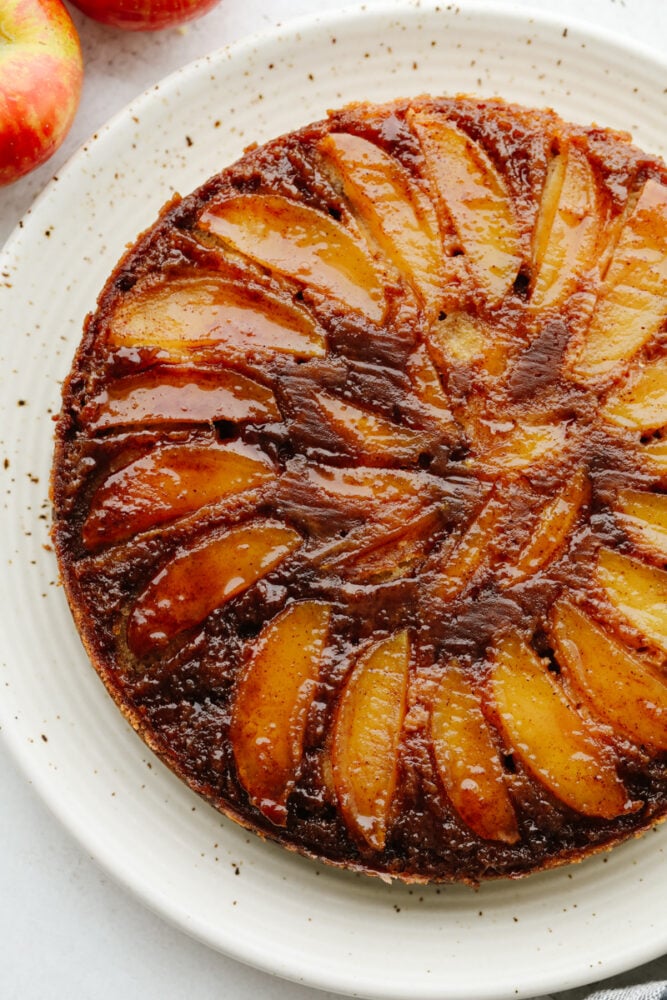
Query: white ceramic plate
x: 242, y: 896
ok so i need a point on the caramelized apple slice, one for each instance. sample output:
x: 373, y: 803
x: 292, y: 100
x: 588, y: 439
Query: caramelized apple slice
x: 633, y: 302
x: 390, y: 555
x: 621, y: 688
x: 554, y: 524
x: 191, y: 316
x: 159, y: 397
x: 271, y: 705
x: 369, y: 434
x: 365, y: 489
x: 428, y: 386
x: 475, y: 196
x: 170, y: 482
x: 301, y: 243
x: 641, y: 402
x: 526, y: 445
x: 655, y: 456
x: 644, y: 517
x: 550, y: 738
x: 568, y: 223
x: 638, y: 592
x: 468, y: 762
x: 346, y: 508
x: 366, y: 736
x: 461, y: 561
x: 397, y: 215
x: 205, y: 576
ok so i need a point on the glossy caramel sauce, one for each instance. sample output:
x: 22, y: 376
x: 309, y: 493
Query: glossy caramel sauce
x: 343, y: 457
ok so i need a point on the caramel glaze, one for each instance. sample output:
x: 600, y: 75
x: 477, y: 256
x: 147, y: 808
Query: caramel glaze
x: 180, y: 696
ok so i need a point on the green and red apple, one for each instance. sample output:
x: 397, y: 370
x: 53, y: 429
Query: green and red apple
x: 41, y: 71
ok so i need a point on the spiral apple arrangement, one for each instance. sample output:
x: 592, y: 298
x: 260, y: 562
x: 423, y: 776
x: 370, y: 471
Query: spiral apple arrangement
x: 360, y: 489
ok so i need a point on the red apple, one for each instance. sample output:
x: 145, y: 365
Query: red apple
x: 41, y: 71
x: 144, y: 15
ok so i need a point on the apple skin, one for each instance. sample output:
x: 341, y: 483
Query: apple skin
x: 144, y: 15
x: 41, y: 72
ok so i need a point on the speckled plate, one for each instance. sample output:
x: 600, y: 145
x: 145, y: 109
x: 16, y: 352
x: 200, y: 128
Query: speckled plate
x: 245, y: 897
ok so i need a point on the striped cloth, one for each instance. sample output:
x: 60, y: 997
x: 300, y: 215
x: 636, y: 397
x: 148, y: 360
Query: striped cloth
x: 647, y: 991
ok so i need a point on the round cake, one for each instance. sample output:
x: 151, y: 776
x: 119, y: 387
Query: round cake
x: 359, y: 489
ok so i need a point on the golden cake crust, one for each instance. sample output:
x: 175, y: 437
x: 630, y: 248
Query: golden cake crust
x: 359, y: 489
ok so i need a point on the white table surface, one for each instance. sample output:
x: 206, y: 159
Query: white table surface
x: 67, y: 930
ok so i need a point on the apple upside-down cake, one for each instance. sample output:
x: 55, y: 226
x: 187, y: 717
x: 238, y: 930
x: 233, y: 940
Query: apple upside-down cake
x: 360, y: 489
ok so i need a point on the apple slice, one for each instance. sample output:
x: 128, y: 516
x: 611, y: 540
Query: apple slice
x: 550, y: 738
x: 369, y: 434
x: 633, y: 303
x: 526, y: 445
x: 474, y: 195
x: 644, y: 517
x: 460, y: 561
x: 427, y: 385
x: 621, y: 688
x: 204, y: 576
x: 467, y: 760
x: 366, y: 735
x: 568, y: 224
x: 300, y: 243
x: 375, y: 490
x: 391, y: 554
x: 398, y: 216
x: 641, y: 402
x: 271, y: 705
x: 655, y: 456
x: 554, y: 524
x: 359, y: 502
x: 164, y: 397
x: 638, y: 592
x: 362, y: 503
x: 170, y: 482
x: 194, y: 316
